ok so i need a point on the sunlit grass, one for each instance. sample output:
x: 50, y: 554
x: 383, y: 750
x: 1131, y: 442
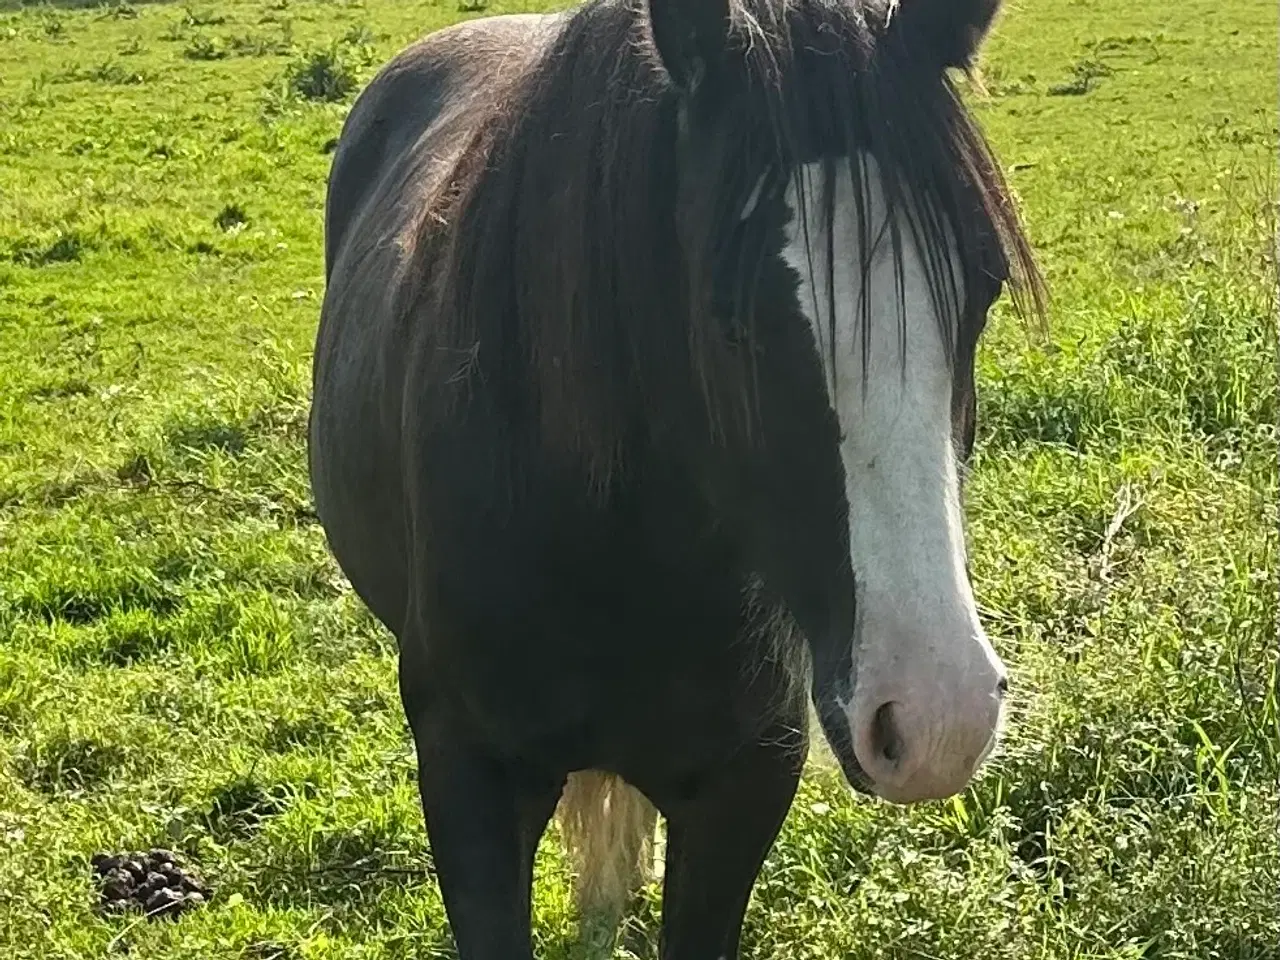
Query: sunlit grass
x: 181, y: 664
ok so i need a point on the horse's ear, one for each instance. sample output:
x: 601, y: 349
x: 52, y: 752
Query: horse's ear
x: 690, y: 36
x: 948, y: 31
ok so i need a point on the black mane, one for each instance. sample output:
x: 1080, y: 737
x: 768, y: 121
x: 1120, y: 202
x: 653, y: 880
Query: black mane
x: 565, y: 262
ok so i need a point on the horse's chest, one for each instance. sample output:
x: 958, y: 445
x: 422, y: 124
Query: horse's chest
x: 672, y: 703
x: 606, y: 638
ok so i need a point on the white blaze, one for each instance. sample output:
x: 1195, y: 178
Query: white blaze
x: 920, y: 647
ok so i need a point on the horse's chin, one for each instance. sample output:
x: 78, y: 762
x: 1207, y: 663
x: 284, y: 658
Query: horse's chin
x: 854, y: 775
x: 835, y: 728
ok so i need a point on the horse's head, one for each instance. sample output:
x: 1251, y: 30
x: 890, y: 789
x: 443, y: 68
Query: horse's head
x: 821, y: 142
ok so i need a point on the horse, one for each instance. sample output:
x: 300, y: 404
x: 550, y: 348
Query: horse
x: 643, y: 390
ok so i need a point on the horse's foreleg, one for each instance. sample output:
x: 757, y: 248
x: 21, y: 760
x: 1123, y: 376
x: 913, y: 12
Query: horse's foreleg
x: 716, y: 842
x: 484, y: 819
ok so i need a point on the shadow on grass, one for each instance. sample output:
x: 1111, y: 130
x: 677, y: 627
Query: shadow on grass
x: 67, y: 762
x: 10, y: 6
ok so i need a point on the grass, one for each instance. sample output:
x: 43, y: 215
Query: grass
x: 182, y: 665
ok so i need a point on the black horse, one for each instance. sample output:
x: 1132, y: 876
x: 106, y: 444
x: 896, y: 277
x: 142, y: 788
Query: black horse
x: 642, y: 385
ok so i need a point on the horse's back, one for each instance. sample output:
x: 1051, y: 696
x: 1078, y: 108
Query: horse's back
x: 402, y: 138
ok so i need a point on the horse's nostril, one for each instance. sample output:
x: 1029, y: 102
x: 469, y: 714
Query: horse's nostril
x: 885, y: 738
x: 1003, y: 686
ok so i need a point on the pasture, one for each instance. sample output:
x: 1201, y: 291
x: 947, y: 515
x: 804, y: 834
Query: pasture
x: 182, y: 665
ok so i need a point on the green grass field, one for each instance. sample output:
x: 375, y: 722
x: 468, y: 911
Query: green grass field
x: 181, y: 663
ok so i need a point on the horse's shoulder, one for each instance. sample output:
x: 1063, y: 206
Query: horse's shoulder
x: 455, y: 67
x: 419, y: 109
